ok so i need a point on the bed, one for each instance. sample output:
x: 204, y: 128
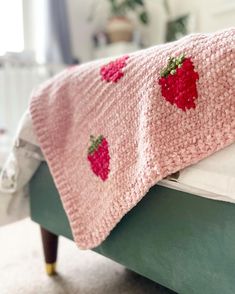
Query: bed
x: 187, y: 242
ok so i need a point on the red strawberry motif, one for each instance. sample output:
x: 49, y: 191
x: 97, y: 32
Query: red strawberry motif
x: 98, y: 155
x: 178, y: 82
x: 112, y: 72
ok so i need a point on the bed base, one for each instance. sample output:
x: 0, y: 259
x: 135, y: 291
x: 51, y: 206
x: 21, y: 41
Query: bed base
x: 181, y: 241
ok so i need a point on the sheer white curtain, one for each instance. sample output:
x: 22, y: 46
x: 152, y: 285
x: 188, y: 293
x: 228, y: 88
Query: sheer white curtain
x: 11, y: 26
x: 11, y: 40
x: 49, y: 33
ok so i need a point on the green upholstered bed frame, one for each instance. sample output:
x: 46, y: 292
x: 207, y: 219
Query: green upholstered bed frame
x: 181, y: 241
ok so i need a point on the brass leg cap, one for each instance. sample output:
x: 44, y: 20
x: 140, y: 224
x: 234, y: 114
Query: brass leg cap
x: 51, y: 269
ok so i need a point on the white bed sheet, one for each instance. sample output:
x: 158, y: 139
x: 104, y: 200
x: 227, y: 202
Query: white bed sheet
x: 213, y: 177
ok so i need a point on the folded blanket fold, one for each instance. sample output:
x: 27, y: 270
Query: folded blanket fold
x: 110, y: 130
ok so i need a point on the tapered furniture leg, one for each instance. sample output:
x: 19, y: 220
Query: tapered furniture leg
x: 50, y: 246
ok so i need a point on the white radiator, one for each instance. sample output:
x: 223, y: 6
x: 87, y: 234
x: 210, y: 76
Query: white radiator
x: 16, y: 84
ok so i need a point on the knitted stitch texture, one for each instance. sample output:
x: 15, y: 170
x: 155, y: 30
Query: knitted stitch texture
x: 138, y: 135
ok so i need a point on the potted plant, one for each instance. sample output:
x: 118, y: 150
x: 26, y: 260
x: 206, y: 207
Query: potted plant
x: 119, y: 26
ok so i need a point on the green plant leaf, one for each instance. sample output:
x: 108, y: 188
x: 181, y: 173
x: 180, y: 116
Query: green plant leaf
x: 140, y: 2
x: 121, y: 9
x: 131, y: 4
x: 144, y: 17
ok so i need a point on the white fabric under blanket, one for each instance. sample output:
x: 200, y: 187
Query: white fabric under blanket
x: 20, y: 164
x: 213, y: 177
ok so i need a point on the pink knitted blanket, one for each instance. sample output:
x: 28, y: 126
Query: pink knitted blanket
x: 110, y: 130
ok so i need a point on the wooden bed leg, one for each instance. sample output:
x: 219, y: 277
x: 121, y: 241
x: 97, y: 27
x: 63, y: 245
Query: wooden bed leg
x: 50, y: 246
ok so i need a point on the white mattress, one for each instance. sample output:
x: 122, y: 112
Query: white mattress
x: 213, y: 177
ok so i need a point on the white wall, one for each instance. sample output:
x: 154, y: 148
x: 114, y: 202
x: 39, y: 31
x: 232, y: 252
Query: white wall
x: 211, y: 15
x: 81, y: 29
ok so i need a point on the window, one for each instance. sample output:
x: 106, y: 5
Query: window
x: 11, y: 26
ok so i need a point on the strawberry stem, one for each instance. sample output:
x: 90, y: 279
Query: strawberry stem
x: 94, y: 143
x: 173, y: 64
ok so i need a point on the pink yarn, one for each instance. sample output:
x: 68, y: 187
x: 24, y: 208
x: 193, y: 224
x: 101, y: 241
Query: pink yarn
x: 148, y: 137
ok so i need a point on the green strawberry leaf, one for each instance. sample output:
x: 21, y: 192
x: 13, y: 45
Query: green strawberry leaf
x: 173, y: 64
x: 95, y: 143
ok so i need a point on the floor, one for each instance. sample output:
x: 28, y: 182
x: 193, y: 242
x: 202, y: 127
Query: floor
x: 85, y: 272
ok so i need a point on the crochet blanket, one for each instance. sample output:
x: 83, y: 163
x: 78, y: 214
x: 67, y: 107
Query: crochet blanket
x: 110, y: 130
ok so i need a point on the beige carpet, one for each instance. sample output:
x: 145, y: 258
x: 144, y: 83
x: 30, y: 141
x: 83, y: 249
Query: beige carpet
x: 80, y: 272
